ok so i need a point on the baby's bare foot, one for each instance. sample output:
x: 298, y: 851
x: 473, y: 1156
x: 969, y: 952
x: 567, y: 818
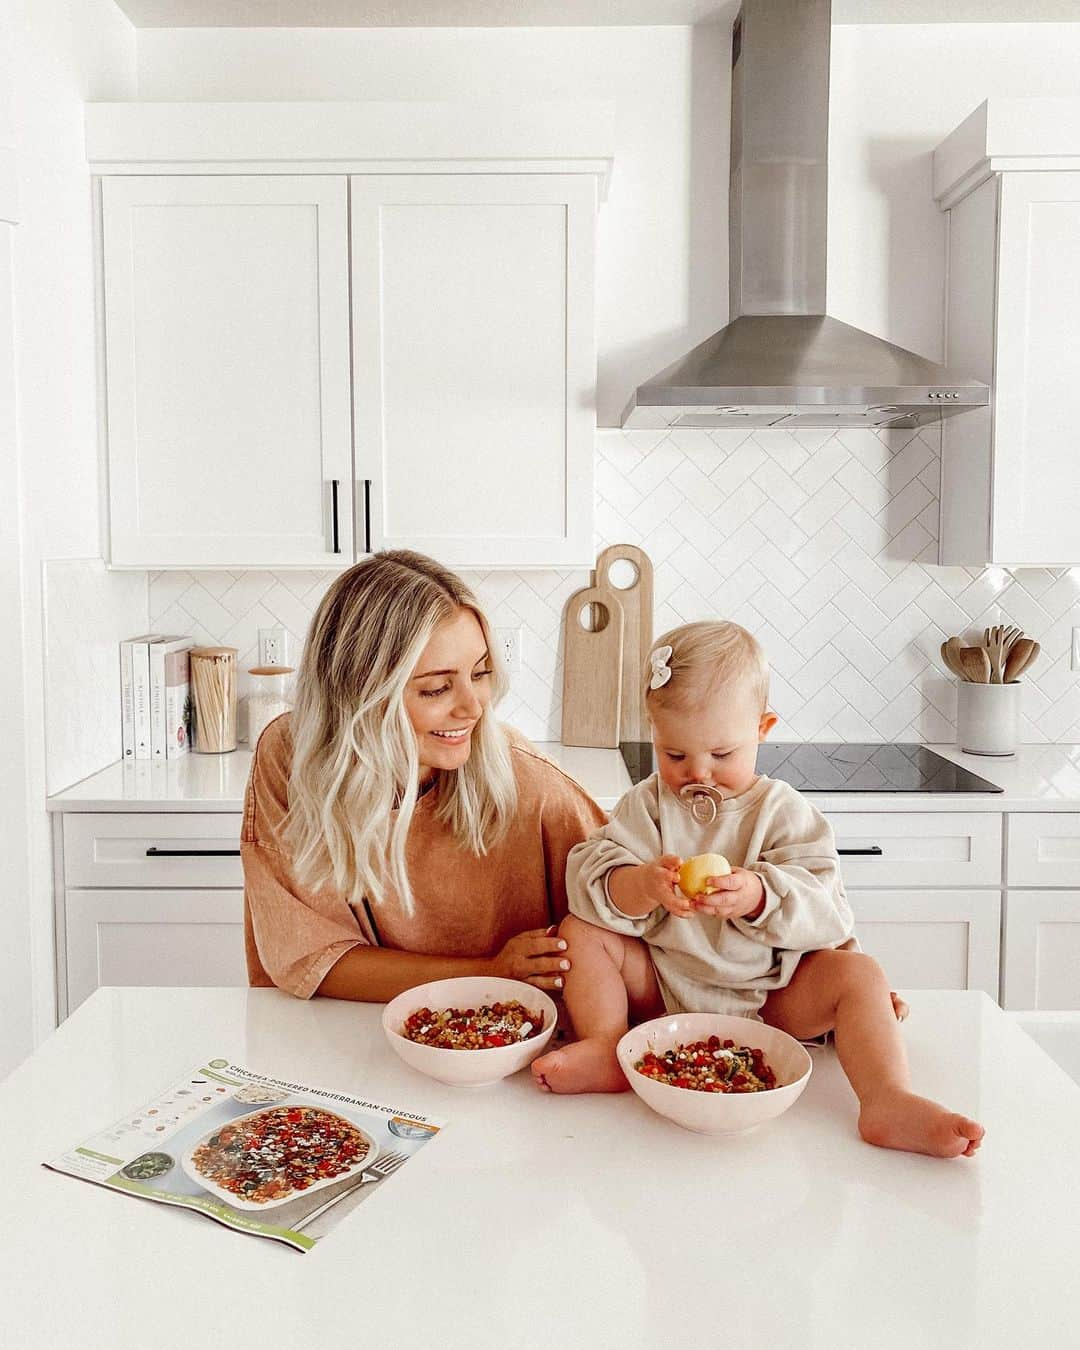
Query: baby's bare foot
x: 903, y: 1120
x: 581, y: 1066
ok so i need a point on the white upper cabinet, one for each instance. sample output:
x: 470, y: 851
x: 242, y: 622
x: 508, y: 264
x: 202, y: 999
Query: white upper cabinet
x: 1010, y: 180
x: 240, y: 431
x: 227, y: 371
x: 474, y: 364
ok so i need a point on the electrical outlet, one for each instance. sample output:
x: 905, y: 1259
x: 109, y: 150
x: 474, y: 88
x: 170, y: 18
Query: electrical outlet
x: 273, y: 644
x: 1076, y: 649
x: 508, y: 643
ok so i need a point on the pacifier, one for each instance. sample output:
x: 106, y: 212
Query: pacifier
x: 701, y: 801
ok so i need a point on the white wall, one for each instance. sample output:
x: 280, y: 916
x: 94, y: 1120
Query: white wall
x: 897, y: 90
x: 667, y: 205
x: 60, y: 53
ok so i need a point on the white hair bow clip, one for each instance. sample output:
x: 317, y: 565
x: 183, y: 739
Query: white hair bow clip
x: 661, y: 671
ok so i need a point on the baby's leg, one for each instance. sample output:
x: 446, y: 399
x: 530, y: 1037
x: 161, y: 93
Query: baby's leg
x: 611, y: 981
x: 847, y: 992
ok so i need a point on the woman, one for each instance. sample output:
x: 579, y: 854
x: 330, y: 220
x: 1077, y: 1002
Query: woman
x: 394, y: 832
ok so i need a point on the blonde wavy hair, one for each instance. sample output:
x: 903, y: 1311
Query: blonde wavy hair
x: 705, y: 657
x: 355, y: 771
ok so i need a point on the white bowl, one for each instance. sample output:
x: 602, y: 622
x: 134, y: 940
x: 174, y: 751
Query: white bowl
x: 468, y: 1068
x: 716, y: 1112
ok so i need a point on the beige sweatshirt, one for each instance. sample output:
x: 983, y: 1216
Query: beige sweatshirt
x: 706, y: 964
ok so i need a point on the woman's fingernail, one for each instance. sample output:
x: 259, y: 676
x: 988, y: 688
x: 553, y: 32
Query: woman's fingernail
x: 561, y: 947
x: 558, y: 981
x: 564, y: 965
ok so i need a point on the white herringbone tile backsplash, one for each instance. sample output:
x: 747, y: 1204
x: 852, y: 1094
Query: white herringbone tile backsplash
x: 821, y: 543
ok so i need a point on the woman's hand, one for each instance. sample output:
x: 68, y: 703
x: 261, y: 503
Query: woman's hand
x: 537, y: 956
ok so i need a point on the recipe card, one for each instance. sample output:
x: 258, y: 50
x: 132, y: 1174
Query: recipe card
x: 261, y: 1155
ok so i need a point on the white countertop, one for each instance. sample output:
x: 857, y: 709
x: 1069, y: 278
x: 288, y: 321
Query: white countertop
x: 540, y: 1221
x: 1036, y: 778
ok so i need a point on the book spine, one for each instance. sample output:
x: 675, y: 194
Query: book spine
x: 177, y: 705
x: 157, y: 701
x: 127, y: 703
x: 140, y: 681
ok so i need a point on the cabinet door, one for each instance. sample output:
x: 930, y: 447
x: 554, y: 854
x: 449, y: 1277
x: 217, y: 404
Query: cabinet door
x: 1036, y: 472
x: 932, y: 939
x: 1041, y: 968
x: 474, y: 365
x: 188, y: 938
x: 227, y: 370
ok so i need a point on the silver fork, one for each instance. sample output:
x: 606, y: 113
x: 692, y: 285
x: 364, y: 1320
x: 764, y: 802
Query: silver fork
x: 383, y: 1166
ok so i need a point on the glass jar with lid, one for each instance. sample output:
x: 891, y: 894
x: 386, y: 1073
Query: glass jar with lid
x: 269, y: 698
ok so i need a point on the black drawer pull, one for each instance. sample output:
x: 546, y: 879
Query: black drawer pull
x: 872, y: 852
x: 336, y: 543
x: 192, y: 852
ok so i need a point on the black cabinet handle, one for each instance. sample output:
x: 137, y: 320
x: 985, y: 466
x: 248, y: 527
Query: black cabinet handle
x: 872, y: 852
x: 367, y: 515
x: 192, y: 852
x: 334, y: 484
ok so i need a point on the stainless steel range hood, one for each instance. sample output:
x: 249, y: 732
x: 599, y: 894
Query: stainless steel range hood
x: 783, y: 361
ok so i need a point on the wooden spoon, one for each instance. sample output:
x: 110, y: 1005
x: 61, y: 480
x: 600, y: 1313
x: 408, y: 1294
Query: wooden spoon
x: 1021, y: 654
x: 976, y: 664
x: 950, y: 659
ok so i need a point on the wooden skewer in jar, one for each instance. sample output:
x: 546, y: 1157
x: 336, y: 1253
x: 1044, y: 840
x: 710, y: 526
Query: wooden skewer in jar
x: 213, y: 685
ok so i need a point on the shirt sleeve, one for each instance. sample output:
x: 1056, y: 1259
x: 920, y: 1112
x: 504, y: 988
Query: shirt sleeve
x: 805, y: 904
x: 569, y: 816
x: 293, y: 935
x: 631, y: 837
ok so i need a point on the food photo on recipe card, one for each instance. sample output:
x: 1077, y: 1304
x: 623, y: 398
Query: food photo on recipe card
x: 264, y: 1156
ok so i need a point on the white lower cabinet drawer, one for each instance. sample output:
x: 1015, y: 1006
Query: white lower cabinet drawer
x: 918, y: 848
x: 152, y: 849
x: 1044, y: 848
x: 1041, y: 962
x: 170, y: 937
x: 931, y: 939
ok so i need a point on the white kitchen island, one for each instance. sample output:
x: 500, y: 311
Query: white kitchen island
x: 539, y: 1221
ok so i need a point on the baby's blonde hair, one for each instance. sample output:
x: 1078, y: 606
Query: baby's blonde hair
x: 705, y: 657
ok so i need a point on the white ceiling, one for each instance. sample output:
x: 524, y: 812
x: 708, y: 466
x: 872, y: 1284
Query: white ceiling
x: 557, y: 13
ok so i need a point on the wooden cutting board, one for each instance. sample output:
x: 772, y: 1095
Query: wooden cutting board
x: 592, y: 668
x: 637, y: 605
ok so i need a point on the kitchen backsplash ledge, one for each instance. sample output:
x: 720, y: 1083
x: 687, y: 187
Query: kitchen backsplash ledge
x: 820, y: 542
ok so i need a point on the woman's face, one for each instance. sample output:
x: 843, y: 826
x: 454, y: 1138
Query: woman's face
x: 448, y: 692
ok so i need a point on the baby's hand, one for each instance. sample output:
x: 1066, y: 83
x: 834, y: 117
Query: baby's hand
x: 738, y: 895
x: 648, y: 886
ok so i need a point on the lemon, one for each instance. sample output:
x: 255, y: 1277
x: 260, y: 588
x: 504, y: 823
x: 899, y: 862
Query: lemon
x: 695, y: 873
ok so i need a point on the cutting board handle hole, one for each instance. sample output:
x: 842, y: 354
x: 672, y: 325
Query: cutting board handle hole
x: 594, y: 617
x: 623, y: 574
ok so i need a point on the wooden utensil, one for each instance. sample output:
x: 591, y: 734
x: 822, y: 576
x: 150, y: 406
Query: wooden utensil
x: 1021, y: 654
x: 950, y: 655
x: 592, y: 669
x: 993, y: 641
x: 975, y: 663
x: 637, y: 606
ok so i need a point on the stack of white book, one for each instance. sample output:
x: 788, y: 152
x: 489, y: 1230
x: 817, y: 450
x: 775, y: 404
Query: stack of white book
x: 155, y: 696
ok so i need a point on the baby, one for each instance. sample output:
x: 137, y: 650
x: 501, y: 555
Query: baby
x: 774, y: 939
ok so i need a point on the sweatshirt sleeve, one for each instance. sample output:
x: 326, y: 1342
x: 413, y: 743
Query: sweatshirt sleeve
x: 631, y: 837
x: 569, y: 816
x: 805, y: 904
x: 293, y: 936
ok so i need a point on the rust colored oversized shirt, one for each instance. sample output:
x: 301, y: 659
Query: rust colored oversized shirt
x: 464, y: 905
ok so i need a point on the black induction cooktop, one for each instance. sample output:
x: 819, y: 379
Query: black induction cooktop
x: 829, y: 766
